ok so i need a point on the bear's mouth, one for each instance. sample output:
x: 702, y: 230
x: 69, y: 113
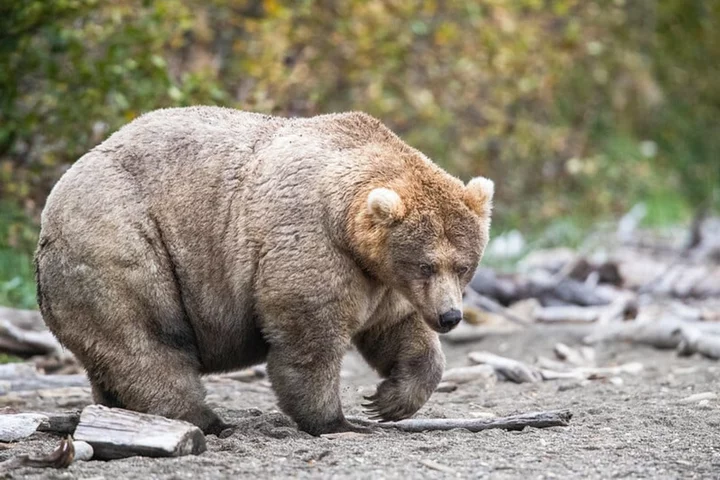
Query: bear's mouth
x: 440, y: 329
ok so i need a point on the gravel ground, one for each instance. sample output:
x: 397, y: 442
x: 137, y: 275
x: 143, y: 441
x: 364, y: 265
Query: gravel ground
x: 636, y: 429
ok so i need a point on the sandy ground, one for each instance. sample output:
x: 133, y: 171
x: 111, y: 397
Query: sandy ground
x: 637, y: 429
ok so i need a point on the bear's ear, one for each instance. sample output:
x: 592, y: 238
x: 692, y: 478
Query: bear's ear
x: 385, y: 205
x: 479, y: 195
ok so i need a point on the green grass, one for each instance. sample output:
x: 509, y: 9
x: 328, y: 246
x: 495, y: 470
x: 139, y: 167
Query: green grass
x: 18, y: 236
x: 17, y: 282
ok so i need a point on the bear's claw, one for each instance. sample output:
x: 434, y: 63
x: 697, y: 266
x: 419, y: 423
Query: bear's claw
x: 387, y: 414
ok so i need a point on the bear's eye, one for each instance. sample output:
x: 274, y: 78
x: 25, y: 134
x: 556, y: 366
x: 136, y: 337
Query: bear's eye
x: 462, y: 270
x: 426, y: 269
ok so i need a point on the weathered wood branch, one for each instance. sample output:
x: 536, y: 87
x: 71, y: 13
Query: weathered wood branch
x: 481, y: 301
x: 664, y: 333
x: 692, y: 341
x: 24, y: 319
x: 466, y: 333
x: 583, y: 357
x: 61, y: 423
x: 19, y: 377
x: 567, y: 314
x: 117, y: 433
x: 513, y: 370
x: 549, y: 289
x: 559, y: 418
x: 476, y: 373
x: 18, y: 341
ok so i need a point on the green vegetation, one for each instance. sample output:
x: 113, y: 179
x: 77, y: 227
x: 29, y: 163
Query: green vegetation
x: 17, y: 242
x: 577, y: 108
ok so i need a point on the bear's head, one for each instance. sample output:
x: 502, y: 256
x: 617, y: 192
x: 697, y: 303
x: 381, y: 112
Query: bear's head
x: 426, y: 241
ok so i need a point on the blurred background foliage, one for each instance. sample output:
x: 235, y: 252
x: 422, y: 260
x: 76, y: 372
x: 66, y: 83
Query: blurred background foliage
x: 577, y: 108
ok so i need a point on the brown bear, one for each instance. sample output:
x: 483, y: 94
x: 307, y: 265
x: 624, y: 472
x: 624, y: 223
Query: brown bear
x: 207, y: 239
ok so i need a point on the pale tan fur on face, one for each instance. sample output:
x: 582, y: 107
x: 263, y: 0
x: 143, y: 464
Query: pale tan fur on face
x: 387, y: 207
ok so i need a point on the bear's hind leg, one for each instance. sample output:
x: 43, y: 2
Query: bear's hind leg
x: 162, y: 381
x: 408, y: 355
x: 105, y: 397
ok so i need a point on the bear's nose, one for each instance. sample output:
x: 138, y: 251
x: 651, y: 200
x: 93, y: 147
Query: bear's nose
x: 450, y: 318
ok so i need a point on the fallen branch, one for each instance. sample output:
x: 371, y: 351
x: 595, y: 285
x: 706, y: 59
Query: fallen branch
x: 513, y: 370
x: 24, y: 319
x: 476, y: 299
x: 663, y: 334
x: 694, y: 341
x: 549, y: 289
x: 583, y: 357
x: 567, y: 314
x: 559, y: 418
x: 62, y: 423
x: 466, y: 333
x: 18, y: 341
x: 475, y: 373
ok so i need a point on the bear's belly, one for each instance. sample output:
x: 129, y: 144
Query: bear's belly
x: 231, y: 344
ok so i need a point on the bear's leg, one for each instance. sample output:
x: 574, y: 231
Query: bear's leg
x: 157, y: 380
x: 408, y: 355
x: 104, y: 397
x: 305, y: 375
x: 123, y: 319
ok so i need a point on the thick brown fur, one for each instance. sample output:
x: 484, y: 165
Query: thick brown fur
x: 205, y: 239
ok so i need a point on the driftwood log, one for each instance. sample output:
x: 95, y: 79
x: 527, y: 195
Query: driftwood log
x: 61, y: 423
x: 548, y: 289
x: 665, y: 333
x: 117, y: 433
x: 19, y: 341
x: 19, y: 377
x: 560, y: 418
x: 24, y: 319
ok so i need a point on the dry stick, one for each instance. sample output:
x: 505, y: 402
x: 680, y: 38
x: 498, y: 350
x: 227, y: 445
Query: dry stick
x: 578, y: 358
x: 693, y: 341
x: 554, y: 370
x: 514, y: 370
x: 558, y: 418
x: 25, y: 319
x: 16, y: 340
x: 466, y: 333
x: 660, y: 334
x: 567, y: 314
x: 474, y: 373
x: 474, y: 298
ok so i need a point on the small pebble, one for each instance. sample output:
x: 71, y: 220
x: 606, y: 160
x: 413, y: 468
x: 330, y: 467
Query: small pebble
x: 83, y: 450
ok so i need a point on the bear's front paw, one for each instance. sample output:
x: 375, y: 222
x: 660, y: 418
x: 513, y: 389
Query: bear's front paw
x: 395, y: 401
